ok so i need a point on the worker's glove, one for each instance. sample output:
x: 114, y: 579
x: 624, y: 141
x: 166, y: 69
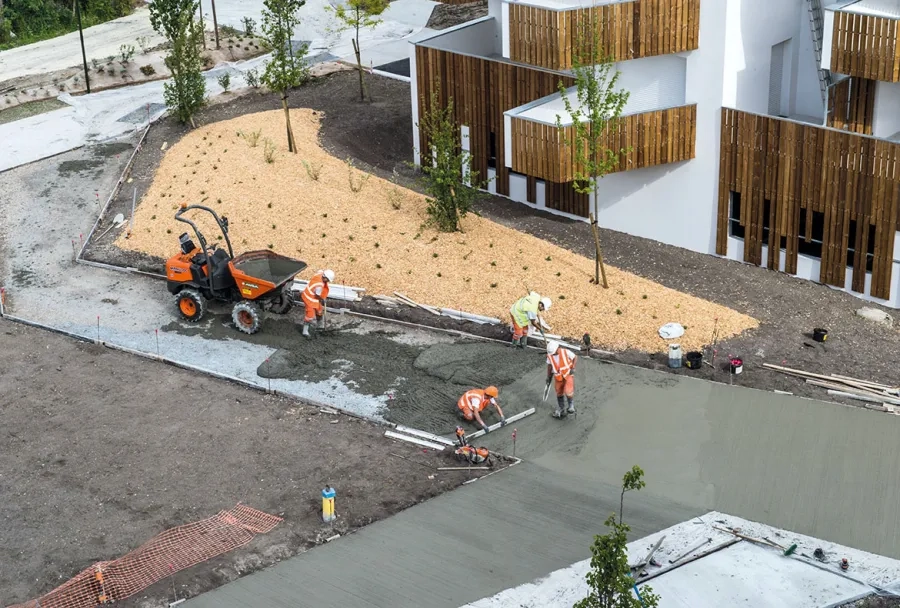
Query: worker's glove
x: 486, y: 429
x: 503, y: 421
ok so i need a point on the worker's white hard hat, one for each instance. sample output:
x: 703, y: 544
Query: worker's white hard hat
x: 552, y: 347
x: 329, y: 274
x: 546, y: 302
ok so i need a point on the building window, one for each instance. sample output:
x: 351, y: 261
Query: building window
x: 870, y: 246
x: 734, y: 217
x: 814, y: 247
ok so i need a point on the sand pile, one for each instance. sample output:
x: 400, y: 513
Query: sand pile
x: 373, y: 233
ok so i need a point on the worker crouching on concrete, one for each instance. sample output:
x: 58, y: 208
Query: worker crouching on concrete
x: 561, y: 368
x: 524, y: 313
x: 314, y: 299
x: 474, y: 401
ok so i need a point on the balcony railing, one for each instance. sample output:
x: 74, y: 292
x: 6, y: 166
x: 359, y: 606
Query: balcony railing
x: 648, y: 139
x: 546, y: 37
x: 863, y: 45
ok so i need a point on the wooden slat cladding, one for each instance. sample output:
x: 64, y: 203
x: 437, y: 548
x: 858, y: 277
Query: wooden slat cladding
x: 629, y: 30
x: 793, y: 168
x: 865, y: 46
x: 648, y: 139
x: 851, y: 105
x: 482, y: 90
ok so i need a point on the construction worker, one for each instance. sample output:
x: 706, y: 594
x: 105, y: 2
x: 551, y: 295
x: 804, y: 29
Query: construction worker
x: 561, y: 368
x: 474, y: 401
x: 524, y: 313
x: 314, y: 298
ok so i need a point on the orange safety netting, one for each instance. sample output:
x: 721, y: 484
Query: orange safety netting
x: 162, y: 556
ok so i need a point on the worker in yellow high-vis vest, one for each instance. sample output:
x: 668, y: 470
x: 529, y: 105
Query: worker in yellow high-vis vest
x: 524, y: 313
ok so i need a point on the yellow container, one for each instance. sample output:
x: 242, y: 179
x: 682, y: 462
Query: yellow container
x: 328, y: 504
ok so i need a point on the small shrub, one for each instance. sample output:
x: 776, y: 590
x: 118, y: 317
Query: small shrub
x: 251, y: 138
x: 548, y: 258
x: 356, y: 183
x: 559, y: 274
x: 345, y: 220
x: 377, y: 265
x: 323, y: 235
x: 273, y: 226
x: 168, y: 231
x: 224, y: 81
x: 350, y: 237
x: 352, y: 259
x: 493, y: 263
x: 374, y: 227
x: 144, y: 43
x: 618, y: 311
x: 562, y: 297
x: 312, y: 171
x: 377, y: 245
x: 644, y: 297
x: 271, y: 246
x: 251, y: 77
x: 249, y: 25
x: 493, y: 285
x: 395, y: 198
x: 126, y: 53
x: 269, y: 205
x: 269, y: 151
x: 439, y: 275
x: 524, y: 267
x: 434, y: 255
x: 96, y: 65
x: 324, y: 215
x: 148, y: 70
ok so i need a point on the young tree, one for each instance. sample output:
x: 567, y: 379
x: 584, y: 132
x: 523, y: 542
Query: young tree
x: 450, y: 182
x: 286, y: 69
x: 356, y: 15
x: 185, y: 92
x: 594, y: 115
x: 609, y: 578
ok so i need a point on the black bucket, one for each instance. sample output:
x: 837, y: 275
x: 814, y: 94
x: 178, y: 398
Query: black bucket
x: 819, y: 334
x: 737, y: 365
x: 693, y: 360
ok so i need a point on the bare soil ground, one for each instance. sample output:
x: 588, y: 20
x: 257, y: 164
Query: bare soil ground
x: 379, y: 136
x: 102, y: 451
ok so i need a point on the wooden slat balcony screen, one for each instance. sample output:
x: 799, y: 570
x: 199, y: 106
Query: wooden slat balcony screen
x: 790, y: 168
x: 851, y: 105
x: 629, y: 30
x: 865, y: 46
x: 482, y: 90
x: 649, y: 139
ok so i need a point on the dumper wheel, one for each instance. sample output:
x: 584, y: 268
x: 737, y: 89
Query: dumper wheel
x: 247, y: 317
x: 281, y: 304
x: 191, y: 304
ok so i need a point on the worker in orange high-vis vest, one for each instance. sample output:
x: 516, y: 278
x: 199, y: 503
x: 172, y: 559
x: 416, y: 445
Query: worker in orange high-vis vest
x: 561, y: 369
x: 474, y: 401
x: 314, y: 298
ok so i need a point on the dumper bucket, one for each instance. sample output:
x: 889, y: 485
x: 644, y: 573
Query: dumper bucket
x: 260, y: 274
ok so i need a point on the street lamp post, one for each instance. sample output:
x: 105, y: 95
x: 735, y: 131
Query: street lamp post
x: 87, y: 78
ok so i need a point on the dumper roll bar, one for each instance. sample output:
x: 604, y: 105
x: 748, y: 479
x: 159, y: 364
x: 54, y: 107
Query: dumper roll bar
x: 221, y: 222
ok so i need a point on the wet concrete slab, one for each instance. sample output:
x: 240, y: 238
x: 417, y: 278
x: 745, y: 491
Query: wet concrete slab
x: 817, y: 468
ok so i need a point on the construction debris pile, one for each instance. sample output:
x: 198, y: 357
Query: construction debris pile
x: 875, y: 396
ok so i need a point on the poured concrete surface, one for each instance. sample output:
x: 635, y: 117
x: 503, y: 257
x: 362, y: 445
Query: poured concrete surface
x: 816, y: 468
x: 503, y: 530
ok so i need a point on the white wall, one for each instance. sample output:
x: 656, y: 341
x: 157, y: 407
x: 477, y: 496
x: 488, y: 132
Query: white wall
x: 414, y: 98
x: 806, y: 93
x: 886, y: 119
x: 480, y: 37
x: 676, y: 203
x: 752, y: 28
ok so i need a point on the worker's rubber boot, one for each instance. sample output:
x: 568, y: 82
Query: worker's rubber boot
x: 320, y: 324
x: 306, y: 330
x: 560, y: 408
x: 522, y: 341
x: 571, y: 401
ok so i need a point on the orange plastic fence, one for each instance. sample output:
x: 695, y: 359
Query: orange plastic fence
x: 163, y: 555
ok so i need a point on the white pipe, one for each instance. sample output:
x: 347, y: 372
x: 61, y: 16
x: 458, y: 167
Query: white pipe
x: 389, y: 75
x: 408, y: 439
x: 423, y: 434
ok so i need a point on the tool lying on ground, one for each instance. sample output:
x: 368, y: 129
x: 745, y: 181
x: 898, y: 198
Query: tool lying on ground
x: 253, y: 281
x: 469, y: 453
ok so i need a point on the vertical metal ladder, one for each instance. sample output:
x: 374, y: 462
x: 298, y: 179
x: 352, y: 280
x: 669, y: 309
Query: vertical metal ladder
x: 817, y: 27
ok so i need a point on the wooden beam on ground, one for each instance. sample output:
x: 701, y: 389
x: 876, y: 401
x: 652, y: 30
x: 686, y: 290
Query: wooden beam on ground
x: 430, y: 309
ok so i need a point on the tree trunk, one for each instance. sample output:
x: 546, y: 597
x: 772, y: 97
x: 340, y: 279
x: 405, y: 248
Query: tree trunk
x: 287, y: 120
x: 202, y: 30
x: 215, y: 23
x: 362, y: 82
x: 600, y: 267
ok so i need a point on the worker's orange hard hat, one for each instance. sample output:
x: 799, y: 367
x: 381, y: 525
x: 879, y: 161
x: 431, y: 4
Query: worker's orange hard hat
x: 491, y: 391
